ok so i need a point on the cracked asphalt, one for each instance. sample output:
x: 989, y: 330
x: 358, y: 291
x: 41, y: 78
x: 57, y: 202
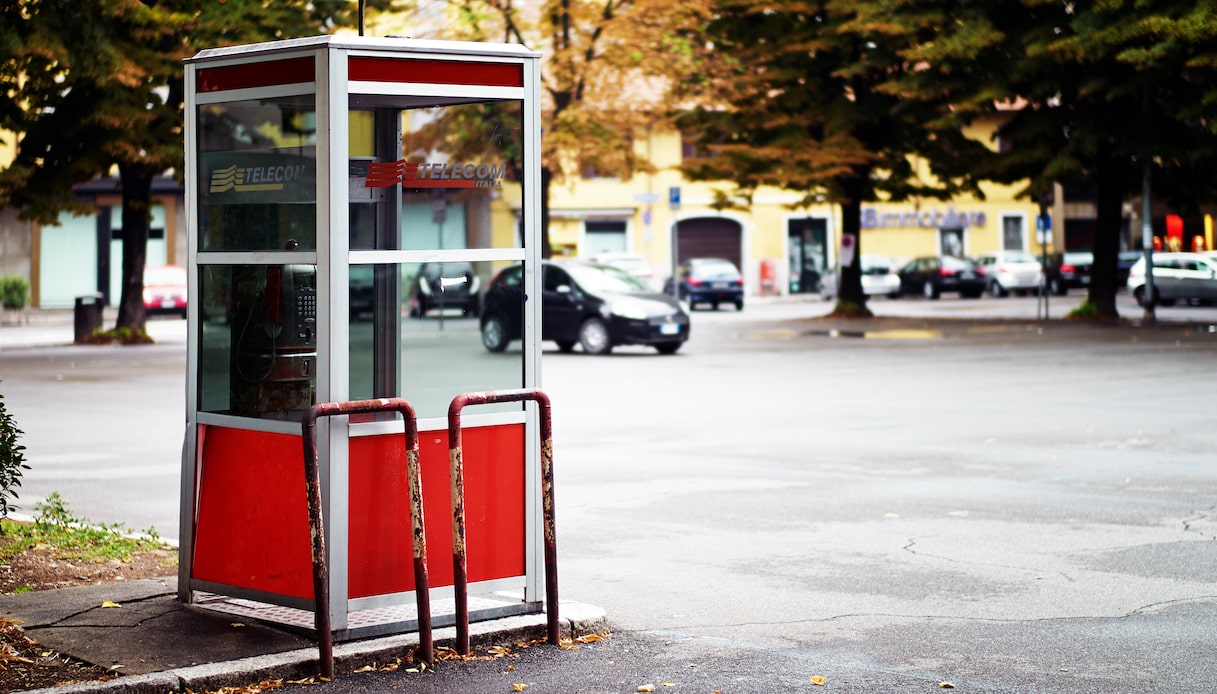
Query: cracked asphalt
x: 1004, y: 506
x: 1007, y: 506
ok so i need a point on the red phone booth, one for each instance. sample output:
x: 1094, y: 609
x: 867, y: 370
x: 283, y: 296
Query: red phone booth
x: 335, y: 184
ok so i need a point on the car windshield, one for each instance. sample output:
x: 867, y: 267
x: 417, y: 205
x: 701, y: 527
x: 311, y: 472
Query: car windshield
x: 872, y: 265
x: 952, y: 263
x: 714, y: 268
x: 1019, y: 257
x: 605, y: 279
x: 434, y: 271
x: 164, y: 276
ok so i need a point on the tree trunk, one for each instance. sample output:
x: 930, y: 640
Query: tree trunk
x: 1109, y: 205
x: 547, y: 179
x: 851, y: 300
x: 136, y: 218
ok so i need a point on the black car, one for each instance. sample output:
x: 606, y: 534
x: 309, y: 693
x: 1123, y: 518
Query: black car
x: 595, y: 306
x: 451, y: 285
x: 1068, y: 270
x: 1124, y: 262
x: 931, y: 276
x: 711, y: 281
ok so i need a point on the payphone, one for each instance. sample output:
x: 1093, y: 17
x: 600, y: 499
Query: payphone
x: 274, y: 337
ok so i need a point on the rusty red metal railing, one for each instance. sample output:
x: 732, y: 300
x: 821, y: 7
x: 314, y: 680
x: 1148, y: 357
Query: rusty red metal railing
x: 316, y: 521
x: 457, y: 479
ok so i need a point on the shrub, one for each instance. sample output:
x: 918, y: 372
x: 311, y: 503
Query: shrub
x: 12, y: 460
x: 14, y: 292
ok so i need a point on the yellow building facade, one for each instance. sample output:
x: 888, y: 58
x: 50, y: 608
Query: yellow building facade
x: 779, y: 247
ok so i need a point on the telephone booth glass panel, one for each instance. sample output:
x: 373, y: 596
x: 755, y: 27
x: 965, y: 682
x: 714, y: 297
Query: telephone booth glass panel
x: 258, y: 160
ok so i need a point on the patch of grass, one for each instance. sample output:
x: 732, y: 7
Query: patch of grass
x: 122, y: 336
x: 75, y: 539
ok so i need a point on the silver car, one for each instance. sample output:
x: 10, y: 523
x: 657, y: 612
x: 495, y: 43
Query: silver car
x: 1010, y: 271
x: 878, y: 278
x: 1177, y: 276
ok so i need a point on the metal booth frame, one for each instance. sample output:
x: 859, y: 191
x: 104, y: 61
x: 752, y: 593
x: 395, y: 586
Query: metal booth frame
x: 291, y: 114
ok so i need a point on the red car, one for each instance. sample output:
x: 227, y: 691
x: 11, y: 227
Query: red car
x: 165, y: 289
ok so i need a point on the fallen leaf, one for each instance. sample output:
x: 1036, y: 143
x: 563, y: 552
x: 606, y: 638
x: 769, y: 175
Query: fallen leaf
x: 646, y: 688
x: 945, y: 685
x: 519, y: 687
x: 669, y: 684
x: 511, y: 668
x: 590, y: 638
x: 819, y: 680
x: 110, y: 603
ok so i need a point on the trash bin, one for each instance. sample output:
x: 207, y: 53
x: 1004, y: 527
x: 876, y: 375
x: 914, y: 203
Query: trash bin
x: 88, y: 313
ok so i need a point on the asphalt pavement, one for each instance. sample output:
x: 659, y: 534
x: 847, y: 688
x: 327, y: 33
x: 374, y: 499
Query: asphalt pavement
x: 160, y: 645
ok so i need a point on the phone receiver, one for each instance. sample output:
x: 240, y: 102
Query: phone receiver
x: 270, y: 295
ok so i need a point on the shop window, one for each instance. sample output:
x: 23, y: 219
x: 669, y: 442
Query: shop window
x: 951, y: 242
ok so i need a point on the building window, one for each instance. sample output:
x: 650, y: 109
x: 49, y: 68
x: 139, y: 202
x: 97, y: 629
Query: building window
x: 1012, y: 233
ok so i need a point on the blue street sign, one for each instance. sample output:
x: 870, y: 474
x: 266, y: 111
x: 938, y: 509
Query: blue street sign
x: 674, y: 196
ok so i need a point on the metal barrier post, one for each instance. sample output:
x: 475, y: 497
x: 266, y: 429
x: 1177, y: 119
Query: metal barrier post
x: 459, y: 559
x: 321, y: 575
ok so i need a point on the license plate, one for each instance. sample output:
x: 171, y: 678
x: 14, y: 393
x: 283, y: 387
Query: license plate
x: 167, y: 303
x: 966, y: 275
x: 719, y: 285
x: 669, y: 329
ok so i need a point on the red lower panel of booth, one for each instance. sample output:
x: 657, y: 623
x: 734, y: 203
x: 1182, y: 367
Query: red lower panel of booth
x: 252, y: 519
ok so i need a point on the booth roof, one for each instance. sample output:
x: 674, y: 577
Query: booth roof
x: 374, y: 43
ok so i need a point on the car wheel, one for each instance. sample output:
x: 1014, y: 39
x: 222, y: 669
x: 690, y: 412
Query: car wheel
x: 594, y: 337
x: 997, y: 290
x: 668, y: 347
x: 1139, y: 295
x: 494, y: 334
x: 929, y: 290
x: 739, y: 305
x: 566, y: 347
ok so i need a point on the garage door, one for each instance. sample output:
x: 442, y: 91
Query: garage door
x: 709, y: 237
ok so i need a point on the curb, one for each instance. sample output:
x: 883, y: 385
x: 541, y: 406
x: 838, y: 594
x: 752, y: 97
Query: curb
x: 578, y: 619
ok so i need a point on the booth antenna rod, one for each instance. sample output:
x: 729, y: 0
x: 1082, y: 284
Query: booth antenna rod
x: 361, y: 4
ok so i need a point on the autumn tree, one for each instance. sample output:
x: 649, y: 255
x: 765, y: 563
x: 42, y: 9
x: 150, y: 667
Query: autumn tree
x: 94, y: 86
x: 1090, y: 94
x: 605, y: 67
x: 797, y: 95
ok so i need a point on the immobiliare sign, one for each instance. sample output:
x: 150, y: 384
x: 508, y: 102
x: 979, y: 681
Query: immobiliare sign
x: 933, y: 218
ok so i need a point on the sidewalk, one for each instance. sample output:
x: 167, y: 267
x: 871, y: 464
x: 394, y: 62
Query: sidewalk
x: 57, y: 328
x: 160, y: 645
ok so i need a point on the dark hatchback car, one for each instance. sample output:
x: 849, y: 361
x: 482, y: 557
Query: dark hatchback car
x: 932, y: 276
x: 443, y: 286
x: 595, y: 306
x: 1068, y: 270
x: 711, y: 281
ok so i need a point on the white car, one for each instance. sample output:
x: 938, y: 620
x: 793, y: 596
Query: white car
x: 1186, y: 276
x: 1010, y: 271
x: 878, y: 278
x: 632, y: 263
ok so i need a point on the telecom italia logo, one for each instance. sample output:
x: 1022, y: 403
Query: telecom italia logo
x: 427, y: 175
x: 250, y: 179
